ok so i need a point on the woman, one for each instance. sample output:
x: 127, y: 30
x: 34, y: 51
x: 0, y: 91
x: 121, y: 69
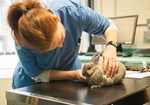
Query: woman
x: 47, y: 40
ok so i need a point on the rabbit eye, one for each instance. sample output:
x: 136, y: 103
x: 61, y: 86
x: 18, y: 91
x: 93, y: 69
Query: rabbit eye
x: 89, y: 68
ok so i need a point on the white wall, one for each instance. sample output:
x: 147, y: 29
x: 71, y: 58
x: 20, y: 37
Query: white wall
x: 129, y: 7
x: 111, y: 8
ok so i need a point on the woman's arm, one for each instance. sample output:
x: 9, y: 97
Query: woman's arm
x: 67, y: 75
x: 109, y: 56
x: 48, y: 75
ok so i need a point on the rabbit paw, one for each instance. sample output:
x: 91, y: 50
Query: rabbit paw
x: 95, y: 86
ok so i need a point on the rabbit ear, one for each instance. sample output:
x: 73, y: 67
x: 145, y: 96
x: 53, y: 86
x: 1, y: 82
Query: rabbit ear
x: 95, y: 58
x: 98, y: 54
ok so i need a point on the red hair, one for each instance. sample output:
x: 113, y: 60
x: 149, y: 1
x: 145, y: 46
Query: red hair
x: 32, y: 25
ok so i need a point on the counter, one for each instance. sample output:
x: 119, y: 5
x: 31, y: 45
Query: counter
x: 126, y: 60
x: 130, y: 92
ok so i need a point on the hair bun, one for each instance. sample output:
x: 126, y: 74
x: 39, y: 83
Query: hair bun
x: 30, y: 4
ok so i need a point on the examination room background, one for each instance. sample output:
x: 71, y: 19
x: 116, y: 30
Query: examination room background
x: 108, y: 8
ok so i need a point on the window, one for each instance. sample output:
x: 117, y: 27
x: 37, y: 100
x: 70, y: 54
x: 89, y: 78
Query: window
x: 6, y: 40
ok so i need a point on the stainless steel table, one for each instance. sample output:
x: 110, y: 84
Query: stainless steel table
x: 131, y: 92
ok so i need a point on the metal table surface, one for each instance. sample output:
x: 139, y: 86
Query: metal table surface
x: 75, y: 93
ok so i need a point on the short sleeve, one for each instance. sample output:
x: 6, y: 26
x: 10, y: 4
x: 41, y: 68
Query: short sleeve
x: 92, y: 22
x: 29, y: 63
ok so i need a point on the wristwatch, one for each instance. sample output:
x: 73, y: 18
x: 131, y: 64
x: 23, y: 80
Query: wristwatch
x: 111, y: 43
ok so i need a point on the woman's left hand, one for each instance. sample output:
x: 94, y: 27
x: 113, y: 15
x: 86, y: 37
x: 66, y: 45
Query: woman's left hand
x: 109, y: 61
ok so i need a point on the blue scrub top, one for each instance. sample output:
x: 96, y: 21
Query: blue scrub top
x: 76, y: 18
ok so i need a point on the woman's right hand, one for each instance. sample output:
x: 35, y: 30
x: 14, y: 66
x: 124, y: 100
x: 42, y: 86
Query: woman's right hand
x: 78, y: 75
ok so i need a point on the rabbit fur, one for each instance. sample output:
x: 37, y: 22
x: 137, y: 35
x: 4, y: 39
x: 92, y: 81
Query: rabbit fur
x: 95, y: 76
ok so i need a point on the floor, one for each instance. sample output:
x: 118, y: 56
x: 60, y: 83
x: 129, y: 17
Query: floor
x: 5, y: 84
x: 7, y: 66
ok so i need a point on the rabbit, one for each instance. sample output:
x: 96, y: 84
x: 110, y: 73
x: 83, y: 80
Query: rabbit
x: 95, y: 76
